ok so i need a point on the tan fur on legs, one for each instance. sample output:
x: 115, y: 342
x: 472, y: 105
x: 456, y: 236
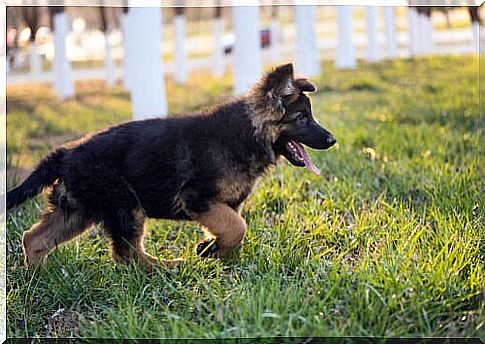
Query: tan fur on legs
x: 225, y: 224
x: 135, y: 251
x: 54, y: 229
x: 124, y: 251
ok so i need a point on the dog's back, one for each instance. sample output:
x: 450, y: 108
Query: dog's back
x: 165, y: 162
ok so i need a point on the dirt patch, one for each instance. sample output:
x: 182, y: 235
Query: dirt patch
x: 62, y: 323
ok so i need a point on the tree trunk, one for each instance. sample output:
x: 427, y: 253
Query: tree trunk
x: 476, y: 21
x: 144, y: 47
x: 447, y: 17
x: 30, y: 15
x: 345, y: 47
x: 307, y: 61
x: 247, y: 48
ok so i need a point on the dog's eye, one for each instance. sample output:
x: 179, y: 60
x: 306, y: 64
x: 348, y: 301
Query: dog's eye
x: 300, y: 117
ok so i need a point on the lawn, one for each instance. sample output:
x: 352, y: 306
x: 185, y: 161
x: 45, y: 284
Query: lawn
x: 388, y: 241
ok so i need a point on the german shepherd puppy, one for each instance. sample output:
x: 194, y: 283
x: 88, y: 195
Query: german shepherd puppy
x: 197, y: 167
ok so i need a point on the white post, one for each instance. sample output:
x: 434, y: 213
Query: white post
x: 427, y: 34
x: 476, y: 35
x: 307, y: 61
x: 247, y: 47
x: 422, y: 41
x: 147, y: 85
x: 127, y: 42
x: 389, y: 17
x: 108, y: 60
x: 180, y: 71
x: 219, y: 62
x: 345, y: 47
x: 373, y: 53
x: 414, y: 32
x: 34, y: 60
x: 62, y: 67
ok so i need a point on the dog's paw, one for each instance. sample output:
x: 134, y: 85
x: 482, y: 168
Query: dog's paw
x: 207, y: 248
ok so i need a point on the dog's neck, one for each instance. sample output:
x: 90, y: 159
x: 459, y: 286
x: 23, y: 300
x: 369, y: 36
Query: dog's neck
x: 265, y: 116
x: 245, y: 119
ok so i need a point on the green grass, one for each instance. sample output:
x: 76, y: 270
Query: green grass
x: 388, y: 241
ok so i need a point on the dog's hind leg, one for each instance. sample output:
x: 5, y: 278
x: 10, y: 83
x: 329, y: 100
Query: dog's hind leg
x: 55, y: 228
x: 226, y: 225
x: 125, y: 228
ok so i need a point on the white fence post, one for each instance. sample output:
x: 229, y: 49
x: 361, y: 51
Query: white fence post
x: 307, y: 61
x: 247, y: 47
x: 127, y: 42
x: 219, y: 61
x: 373, y: 53
x: 391, y: 42
x: 427, y: 44
x: 414, y: 32
x: 34, y: 60
x: 108, y: 59
x: 475, y: 19
x: 62, y: 67
x: 476, y: 35
x: 180, y: 71
x: 147, y: 85
x: 345, y: 47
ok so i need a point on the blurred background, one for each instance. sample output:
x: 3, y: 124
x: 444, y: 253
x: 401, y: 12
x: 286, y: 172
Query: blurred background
x: 93, y: 43
x: 387, y: 241
x: 71, y: 70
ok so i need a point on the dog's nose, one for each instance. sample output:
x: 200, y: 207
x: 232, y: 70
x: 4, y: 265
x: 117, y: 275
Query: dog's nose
x: 331, y: 140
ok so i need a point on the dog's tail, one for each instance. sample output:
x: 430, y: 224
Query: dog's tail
x: 45, y: 174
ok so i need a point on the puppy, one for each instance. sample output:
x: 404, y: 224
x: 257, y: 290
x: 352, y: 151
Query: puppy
x: 198, y: 167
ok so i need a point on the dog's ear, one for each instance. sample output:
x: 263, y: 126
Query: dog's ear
x: 278, y: 86
x: 279, y: 82
x: 304, y: 85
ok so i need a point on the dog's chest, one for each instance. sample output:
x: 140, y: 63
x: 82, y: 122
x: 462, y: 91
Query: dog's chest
x: 234, y: 187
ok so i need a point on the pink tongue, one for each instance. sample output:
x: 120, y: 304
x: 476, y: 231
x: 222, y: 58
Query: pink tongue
x: 312, y: 168
x: 306, y: 159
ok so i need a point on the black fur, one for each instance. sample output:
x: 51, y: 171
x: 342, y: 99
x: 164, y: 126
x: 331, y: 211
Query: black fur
x: 44, y: 175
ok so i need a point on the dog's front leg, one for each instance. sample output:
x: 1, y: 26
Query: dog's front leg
x: 225, y: 225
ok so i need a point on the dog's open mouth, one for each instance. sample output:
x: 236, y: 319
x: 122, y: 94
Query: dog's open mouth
x: 297, y: 155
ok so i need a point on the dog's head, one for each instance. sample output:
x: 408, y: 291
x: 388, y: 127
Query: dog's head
x: 283, y: 115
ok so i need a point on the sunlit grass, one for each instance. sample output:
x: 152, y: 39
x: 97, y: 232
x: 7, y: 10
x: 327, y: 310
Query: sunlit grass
x: 387, y: 242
